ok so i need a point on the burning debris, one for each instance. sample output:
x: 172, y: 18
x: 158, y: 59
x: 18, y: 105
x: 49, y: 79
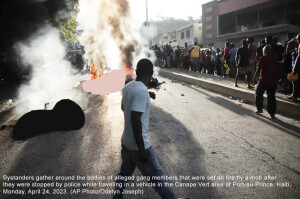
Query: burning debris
x: 108, y: 37
x: 66, y: 115
x: 95, y: 73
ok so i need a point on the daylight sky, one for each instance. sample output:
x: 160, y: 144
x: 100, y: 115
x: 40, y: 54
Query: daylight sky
x: 178, y: 9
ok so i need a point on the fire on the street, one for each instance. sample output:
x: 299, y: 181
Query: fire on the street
x: 95, y: 73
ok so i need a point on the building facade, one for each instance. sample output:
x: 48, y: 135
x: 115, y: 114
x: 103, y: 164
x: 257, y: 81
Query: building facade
x: 233, y: 20
x: 187, y: 34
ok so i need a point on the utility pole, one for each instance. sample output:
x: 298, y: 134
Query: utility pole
x: 147, y: 22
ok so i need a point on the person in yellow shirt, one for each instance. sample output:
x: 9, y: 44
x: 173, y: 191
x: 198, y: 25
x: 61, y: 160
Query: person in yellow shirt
x: 195, y: 57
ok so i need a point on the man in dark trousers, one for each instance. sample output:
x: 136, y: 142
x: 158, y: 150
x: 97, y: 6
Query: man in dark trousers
x: 268, y: 70
x: 136, y: 148
x: 242, y: 62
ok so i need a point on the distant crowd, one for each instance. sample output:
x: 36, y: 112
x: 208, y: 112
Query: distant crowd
x: 266, y: 65
x: 234, y: 62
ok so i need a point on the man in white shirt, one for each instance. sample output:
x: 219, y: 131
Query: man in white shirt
x: 136, y: 148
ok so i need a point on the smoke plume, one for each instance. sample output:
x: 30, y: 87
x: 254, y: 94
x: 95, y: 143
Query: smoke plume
x: 111, y: 36
x: 52, y: 77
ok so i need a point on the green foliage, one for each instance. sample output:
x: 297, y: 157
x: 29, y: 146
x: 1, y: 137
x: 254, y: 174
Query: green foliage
x: 67, y: 26
x: 67, y: 23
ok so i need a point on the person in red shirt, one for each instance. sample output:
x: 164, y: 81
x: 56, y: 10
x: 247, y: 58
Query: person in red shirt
x: 226, y: 53
x: 268, y: 70
x: 207, y: 61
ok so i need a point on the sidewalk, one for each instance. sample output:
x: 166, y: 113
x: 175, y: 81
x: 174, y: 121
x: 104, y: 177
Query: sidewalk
x: 225, y: 86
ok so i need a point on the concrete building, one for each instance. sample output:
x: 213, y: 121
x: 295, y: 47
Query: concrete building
x: 172, y: 39
x: 234, y: 20
x: 163, y: 40
x: 209, y: 23
x: 189, y: 34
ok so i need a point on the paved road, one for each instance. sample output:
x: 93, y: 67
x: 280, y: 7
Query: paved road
x: 198, y: 133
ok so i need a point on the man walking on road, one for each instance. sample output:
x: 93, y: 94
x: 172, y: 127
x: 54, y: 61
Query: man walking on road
x: 136, y: 148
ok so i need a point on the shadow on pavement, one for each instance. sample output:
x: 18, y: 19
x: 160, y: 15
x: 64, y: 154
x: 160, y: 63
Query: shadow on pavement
x: 62, y: 153
x: 277, y: 123
x: 178, y: 153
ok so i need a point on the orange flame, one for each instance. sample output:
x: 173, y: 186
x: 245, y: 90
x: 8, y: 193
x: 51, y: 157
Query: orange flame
x: 95, y: 73
x: 128, y: 71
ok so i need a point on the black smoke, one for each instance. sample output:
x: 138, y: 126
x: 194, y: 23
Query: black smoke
x: 19, y: 19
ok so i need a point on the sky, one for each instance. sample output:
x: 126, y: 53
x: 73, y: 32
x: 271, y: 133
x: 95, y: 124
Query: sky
x: 178, y: 9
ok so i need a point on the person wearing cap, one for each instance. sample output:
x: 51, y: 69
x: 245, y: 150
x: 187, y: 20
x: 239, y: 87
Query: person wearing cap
x: 136, y: 147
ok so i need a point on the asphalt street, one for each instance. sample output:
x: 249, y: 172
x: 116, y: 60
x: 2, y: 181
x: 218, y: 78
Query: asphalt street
x: 194, y: 132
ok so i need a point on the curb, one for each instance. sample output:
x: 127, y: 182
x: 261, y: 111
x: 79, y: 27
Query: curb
x: 283, y: 107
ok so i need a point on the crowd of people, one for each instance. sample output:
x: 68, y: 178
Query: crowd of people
x: 234, y: 62
x: 267, y: 65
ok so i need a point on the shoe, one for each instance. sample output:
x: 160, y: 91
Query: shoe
x: 272, y: 117
x: 250, y: 87
x: 290, y: 97
x: 259, y: 111
x: 235, y: 85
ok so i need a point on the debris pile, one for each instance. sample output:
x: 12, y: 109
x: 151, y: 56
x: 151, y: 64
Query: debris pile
x: 66, y: 115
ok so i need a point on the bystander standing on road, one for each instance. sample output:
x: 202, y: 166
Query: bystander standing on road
x: 268, y: 71
x: 195, y: 57
x: 259, y: 50
x: 186, y: 56
x: 207, y: 60
x: 232, y: 64
x: 252, y: 56
x: 280, y: 54
x: 226, y: 58
x: 159, y: 55
x: 177, y: 57
x: 219, y: 62
x: 202, y: 61
x: 136, y: 148
x: 242, y: 61
x: 226, y: 52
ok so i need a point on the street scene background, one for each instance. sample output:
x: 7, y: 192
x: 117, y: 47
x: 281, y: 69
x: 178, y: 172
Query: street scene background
x: 203, y: 121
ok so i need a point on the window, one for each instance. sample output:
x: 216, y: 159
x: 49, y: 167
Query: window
x: 208, y: 27
x: 174, y: 40
x: 209, y: 9
x: 209, y: 35
x: 182, y: 35
x: 173, y: 35
x: 209, y: 18
x: 188, y: 32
